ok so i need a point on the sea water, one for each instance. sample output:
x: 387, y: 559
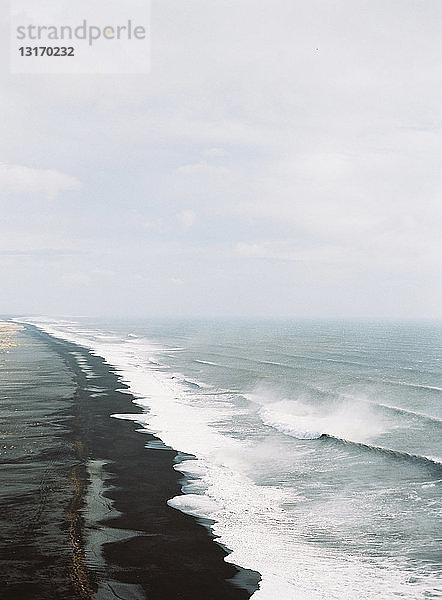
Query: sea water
x: 313, y: 446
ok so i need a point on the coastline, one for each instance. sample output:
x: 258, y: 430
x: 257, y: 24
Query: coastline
x: 126, y: 542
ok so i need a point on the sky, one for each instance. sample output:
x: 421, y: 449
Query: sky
x: 281, y: 159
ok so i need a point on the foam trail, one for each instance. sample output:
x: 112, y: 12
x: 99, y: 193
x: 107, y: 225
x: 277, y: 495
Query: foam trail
x: 410, y: 384
x: 208, y: 362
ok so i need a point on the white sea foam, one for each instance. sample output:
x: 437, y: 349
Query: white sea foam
x: 249, y: 519
x: 410, y: 384
x: 351, y: 421
x: 208, y: 362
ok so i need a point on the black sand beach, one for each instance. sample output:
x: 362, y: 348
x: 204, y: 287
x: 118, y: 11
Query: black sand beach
x: 83, y: 502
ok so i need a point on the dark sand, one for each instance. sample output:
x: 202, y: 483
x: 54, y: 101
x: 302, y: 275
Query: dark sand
x: 83, y: 503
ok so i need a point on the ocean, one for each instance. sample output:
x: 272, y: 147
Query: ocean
x: 312, y: 447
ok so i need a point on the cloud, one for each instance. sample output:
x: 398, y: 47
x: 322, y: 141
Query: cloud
x: 187, y: 218
x: 106, y: 273
x: 310, y: 160
x: 176, y: 281
x: 156, y: 226
x: 74, y: 279
x: 383, y: 251
x: 17, y: 180
x: 254, y: 251
x: 204, y: 169
x: 371, y: 209
x: 215, y: 152
x: 274, y: 252
x: 40, y: 253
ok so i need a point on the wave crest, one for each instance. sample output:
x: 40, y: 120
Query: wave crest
x: 352, y: 421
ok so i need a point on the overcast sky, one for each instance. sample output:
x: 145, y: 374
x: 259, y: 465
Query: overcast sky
x: 281, y: 158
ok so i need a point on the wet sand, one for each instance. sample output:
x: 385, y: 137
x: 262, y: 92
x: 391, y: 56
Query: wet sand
x: 84, y: 509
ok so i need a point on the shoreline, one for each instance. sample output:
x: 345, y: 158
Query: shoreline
x: 128, y: 542
x: 38, y: 538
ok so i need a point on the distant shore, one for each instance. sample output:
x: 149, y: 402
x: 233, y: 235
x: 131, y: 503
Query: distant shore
x: 101, y: 526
